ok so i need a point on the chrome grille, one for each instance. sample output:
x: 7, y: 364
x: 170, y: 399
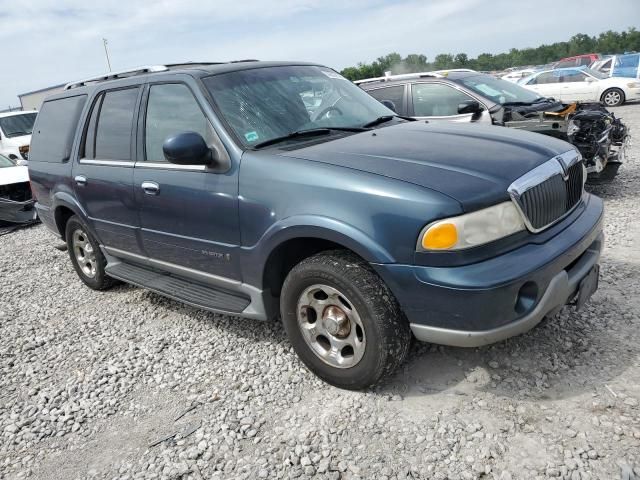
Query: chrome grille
x: 550, y: 191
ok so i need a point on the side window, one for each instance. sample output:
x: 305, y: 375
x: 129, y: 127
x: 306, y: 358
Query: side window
x: 567, y: 63
x: 171, y: 109
x: 89, y: 146
x: 394, y: 95
x: 585, y: 61
x: 436, y: 99
x: 55, y: 129
x: 573, y: 76
x: 544, y: 78
x: 115, y: 120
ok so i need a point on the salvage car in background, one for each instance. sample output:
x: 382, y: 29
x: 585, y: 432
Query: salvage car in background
x: 468, y: 96
x: 626, y: 65
x: 583, y: 84
x: 15, y: 134
x: 16, y: 201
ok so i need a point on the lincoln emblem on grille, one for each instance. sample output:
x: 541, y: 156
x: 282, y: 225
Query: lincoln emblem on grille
x: 549, y: 192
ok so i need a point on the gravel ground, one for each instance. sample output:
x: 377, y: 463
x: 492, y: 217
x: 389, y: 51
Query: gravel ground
x: 127, y: 384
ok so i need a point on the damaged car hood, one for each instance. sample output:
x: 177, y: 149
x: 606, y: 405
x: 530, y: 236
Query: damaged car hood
x: 471, y: 163
x: 9, y: 175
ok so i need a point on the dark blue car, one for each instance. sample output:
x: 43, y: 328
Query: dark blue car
x: 266, y: 190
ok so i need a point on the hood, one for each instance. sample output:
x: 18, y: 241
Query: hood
x: 473, y: 164
x: 9, y: 175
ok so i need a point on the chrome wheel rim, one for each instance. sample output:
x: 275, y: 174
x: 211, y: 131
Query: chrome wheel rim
x: 84, y: 253
x: 612, y: 98
x: 331, y: 326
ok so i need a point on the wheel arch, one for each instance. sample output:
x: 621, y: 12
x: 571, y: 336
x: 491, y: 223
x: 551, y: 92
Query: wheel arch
x: 64, y: 207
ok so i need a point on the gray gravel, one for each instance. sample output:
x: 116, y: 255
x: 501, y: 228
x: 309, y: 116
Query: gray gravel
x: 127, y: 384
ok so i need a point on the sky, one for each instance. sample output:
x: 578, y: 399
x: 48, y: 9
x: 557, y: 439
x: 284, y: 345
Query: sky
x: 48, y: 42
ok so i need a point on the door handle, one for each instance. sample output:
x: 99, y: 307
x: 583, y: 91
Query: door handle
x: 81, y: 180
x: 150, y: 188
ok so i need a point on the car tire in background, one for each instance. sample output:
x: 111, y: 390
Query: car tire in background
x: 343, y: 321
x: 86, y: 256
x: 612, y: 97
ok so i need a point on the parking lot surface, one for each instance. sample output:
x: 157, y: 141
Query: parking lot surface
x: 128, y: 384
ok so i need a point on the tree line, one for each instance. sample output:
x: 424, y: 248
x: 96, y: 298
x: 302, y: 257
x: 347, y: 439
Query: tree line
x: 606, y: 42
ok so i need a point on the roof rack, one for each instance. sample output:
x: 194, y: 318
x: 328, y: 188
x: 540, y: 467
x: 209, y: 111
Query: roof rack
x: 120, y: 74
x: 405, y: 76
x: 142, y: 70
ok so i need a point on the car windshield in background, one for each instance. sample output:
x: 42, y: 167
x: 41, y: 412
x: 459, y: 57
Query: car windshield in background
x: 500, y: 91
x: 263, y: 104
x: 6, y: 162
x: 17, y: 125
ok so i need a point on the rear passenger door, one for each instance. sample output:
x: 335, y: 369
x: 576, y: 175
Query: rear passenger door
x: 188, y: 213
x: 103, y: 174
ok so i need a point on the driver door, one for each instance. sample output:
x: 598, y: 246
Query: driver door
x: 576, y: 85
x: 439, y: 101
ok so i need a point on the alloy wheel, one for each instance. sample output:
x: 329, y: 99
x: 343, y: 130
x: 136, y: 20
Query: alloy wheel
x: 84, y: 253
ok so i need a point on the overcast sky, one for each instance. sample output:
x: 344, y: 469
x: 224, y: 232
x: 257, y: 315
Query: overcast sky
x: 47, y: 42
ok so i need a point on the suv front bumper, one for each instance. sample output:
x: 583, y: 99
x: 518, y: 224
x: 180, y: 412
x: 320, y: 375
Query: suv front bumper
x: 489, y: 301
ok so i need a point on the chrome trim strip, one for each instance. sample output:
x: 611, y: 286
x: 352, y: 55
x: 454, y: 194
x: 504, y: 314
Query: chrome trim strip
x: 255, y: 309
x: 108, y: 163
x: 171, y: 166
x: 558, y: 165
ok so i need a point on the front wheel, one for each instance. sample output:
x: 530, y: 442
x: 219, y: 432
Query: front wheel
x: 612, y: 97
x: 343, y: 321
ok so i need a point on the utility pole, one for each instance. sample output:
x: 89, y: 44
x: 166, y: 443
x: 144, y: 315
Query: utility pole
x: 106, y: 52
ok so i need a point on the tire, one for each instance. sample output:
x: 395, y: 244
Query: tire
x: 359, y: 312
x: 612, y: 97
x: 86, y: 256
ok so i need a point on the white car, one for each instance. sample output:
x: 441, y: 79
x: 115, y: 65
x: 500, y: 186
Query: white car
x: 16, y: 200
x: 584, y: 85
x: 15, y: 134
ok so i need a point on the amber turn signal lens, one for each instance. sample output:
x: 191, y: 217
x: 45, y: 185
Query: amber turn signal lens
x: 440, y: 237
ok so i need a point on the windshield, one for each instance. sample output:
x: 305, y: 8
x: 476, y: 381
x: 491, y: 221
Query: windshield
x: 266, y: 103
x: 500, y: 91
x: 5, y: 162
x: 17, y: 125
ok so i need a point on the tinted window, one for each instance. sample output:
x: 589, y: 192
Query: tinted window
x: 394, y: 95
x: 566, y: 63
x: 89, y: 146
x: 55, y: 129
x: 171, y: 109
x: 436, y: 99
x: 113, y: 133
x: 544, y: 78
x: 572, y: 76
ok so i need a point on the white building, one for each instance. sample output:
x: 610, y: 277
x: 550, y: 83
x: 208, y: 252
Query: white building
x: 33, y: 100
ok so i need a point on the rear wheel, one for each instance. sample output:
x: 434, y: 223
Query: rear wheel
x: 612, y: 97
x: 343, y: 321
x: 86, y: 256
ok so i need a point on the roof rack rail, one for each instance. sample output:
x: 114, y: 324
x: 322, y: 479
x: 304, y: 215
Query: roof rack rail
x: 404, y: 76
x: 388, y: 77
x: 120, y: 74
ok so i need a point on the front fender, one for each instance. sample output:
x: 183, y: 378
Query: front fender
x: 310, y: 226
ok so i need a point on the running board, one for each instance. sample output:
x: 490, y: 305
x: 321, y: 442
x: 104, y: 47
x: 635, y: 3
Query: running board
x: 194, y: 294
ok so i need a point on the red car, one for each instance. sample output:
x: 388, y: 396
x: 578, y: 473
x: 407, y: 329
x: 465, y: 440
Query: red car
x: 577, y: 61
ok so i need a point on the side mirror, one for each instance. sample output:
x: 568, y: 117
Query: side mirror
x: 389, y: 104
x: 589, y: 79
x: 21, y: 163
x: 469, y: 106
x: 188, y: 148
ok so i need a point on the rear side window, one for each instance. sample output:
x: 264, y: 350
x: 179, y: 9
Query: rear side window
x: 393, y: 95
x: 115, y: 111
x: 55, y: 129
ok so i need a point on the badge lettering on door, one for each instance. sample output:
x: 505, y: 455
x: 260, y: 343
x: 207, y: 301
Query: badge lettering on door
x: 216, y: 255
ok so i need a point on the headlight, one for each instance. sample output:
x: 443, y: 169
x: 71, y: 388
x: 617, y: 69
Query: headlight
x: 633, y: 85
x: 471, y: 229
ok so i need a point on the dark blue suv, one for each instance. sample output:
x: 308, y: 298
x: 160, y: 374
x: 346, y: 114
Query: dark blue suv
x: 264, y: 189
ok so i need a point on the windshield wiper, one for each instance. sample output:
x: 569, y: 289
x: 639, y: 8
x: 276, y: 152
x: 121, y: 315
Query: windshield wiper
x: 310, y: 132
x: 386, y: 118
